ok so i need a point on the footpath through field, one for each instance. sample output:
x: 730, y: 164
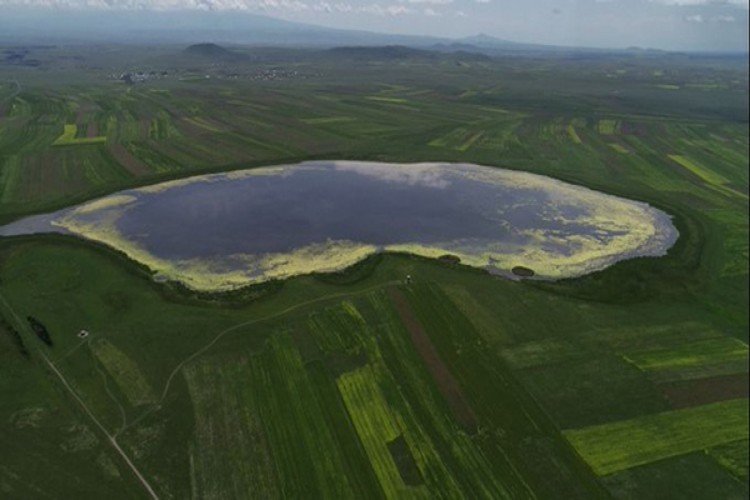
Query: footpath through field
x: 112, y: 439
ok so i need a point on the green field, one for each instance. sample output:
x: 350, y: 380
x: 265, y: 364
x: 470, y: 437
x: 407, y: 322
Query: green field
x: 621, y: 445
x: 607, y: 127
x: 69, y: 137
x: 733, y: 456
x: 720, y: 350
x: 357, y: 384
x: 125, y: 373
x: 573, y: 134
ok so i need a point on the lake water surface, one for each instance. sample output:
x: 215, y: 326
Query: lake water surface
x: 225, y: 230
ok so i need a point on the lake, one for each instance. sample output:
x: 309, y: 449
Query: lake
x: 226, y: 230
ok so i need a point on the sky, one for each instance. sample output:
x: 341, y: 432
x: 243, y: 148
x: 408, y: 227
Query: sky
x: 709, y: 25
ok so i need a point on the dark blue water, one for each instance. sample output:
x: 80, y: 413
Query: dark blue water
x: 484, y: 214
x: 280, y: 213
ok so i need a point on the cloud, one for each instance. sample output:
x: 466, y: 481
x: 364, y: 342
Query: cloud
x: 684, y: 3
x: 219, y: 5
x: 734, y: 3
x: 430, y: 2
x: 151, y: 4
x: 431, y: 12
x: 383, y: 10
x: 697, y: 18
x: 161, y: 5
x: 289, y: 6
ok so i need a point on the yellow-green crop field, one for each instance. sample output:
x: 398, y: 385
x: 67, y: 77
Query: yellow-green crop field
x: 125, y: 372
x: 389, y: 100
x: 68, y: 137
x: 573, y: 134
x: 616, y: 446
x: 699, y: 170
x: 607, y: 127
x: 716, y: 351
x: 376, y: 427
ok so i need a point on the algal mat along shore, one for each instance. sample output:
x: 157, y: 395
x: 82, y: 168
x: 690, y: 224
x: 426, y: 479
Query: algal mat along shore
x: 222, y: 231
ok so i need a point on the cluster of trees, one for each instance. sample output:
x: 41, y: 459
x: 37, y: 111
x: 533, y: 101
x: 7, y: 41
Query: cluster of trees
x: 15, y: 337
x: 40, y: 330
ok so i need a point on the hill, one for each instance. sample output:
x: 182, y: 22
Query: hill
x: 213, y: 51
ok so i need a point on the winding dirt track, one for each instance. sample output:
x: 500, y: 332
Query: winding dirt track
x: 112, y: 440
x: 110, y: 437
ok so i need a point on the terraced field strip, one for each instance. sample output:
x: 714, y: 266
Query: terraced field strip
x: 389, y: 100
x: 704, y: 173
x: 470, y: 141
x: 448, y: 385
x: 607, y: 127
x: 68, y: 137
x: 229, y: 455
x: 162, y: 126
x: 203, y: 123
x: 376, y: 427
x: 573, y: 134
x: 528, y: 456
x: 617, y: 446
x: 713, y: 179
x: 452, y: 139
x: 721, y: 350
x: 327, y: 120
x: 306, y: 429
x: 11, y: 173
x: 403, y: 422
x: 125, y: 372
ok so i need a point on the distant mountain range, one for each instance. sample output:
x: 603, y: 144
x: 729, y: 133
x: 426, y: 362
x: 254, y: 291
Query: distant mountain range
x: 185, y: 27
x: 401, y: 52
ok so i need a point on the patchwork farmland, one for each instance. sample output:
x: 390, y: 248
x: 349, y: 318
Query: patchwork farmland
x: 628, y: 383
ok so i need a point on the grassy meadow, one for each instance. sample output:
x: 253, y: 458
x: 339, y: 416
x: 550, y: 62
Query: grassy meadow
x: 627, y: 383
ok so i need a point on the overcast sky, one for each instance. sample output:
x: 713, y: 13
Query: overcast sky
x: 665, y: 24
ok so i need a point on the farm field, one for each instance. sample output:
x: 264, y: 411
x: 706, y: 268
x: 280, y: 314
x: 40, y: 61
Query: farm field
x: 627, y: 383
x: 621, y: 445
x: 69, y: 137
